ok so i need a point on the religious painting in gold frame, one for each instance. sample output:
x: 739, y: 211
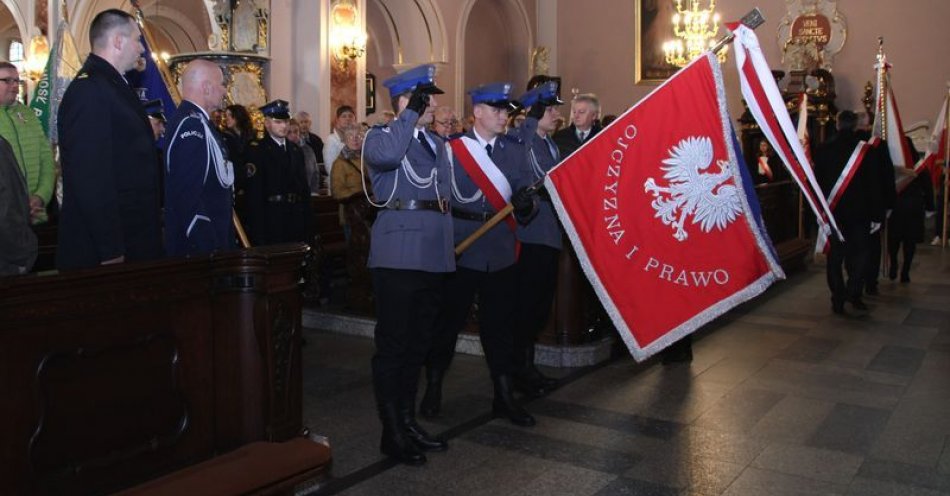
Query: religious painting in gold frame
x: 654, y: 26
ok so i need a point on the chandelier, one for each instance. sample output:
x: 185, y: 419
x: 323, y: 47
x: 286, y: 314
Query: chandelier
x: 695, y: 29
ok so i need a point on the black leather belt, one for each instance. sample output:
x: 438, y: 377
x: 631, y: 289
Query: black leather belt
x: 476, y: 216
x: 441, y: 206
x: 288, y: 198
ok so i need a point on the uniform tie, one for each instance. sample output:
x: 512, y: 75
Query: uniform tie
x: 488, y: 149
x: 421, y: 137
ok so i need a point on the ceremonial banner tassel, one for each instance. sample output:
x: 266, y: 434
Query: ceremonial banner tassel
x: 887, y: 120
x: 661, y: 212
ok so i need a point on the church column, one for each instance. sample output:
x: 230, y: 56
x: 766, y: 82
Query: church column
x: 547, y: 32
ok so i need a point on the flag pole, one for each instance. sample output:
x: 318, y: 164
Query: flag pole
x: 752, y: 20
x: 176, y: 96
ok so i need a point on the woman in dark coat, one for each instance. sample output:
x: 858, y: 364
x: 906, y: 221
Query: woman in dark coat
x: 906, y: 225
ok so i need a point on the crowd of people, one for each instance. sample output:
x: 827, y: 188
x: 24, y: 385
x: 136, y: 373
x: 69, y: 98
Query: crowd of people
x: 410, y: 189
x: 869, y: 206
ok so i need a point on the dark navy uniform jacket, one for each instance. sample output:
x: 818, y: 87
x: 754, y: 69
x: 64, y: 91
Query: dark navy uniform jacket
x: 277, y: 196
x: 111, y: 205
x: 409, y: 239
x: 199, y: 186
x: 543, y: 155
x: 496, y: 249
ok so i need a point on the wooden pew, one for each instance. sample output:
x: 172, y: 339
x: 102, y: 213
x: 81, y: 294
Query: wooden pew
x: 115, y: 376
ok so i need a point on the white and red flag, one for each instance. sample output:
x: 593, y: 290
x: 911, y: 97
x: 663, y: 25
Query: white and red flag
x: 887, y: 118
x: 661, y: 212
x: 937, y: 149
x: 768, y: 108
x: 803, y: 136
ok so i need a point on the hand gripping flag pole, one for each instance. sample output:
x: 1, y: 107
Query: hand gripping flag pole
x: 752, y: 20
x: 176, y: 96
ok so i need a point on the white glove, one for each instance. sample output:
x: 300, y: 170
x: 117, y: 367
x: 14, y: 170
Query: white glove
x: 875, y: 227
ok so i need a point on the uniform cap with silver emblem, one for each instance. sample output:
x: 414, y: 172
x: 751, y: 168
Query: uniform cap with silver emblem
x: 276, y: 109
x: 546, y: 93
x: 493, y: 94
x: 155, y: 109
x: 418, y: 78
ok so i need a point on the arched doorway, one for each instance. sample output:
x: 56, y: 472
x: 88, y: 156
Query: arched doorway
x: 178, y: 26
x: 494, y: 44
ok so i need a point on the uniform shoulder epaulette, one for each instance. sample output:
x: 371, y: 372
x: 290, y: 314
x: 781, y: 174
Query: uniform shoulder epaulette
x: 254, y: 143
x: 82, y: 75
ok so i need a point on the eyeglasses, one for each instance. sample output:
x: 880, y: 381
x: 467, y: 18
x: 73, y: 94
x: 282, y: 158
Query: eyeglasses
x: 446, y: 123
x: 11, y: 80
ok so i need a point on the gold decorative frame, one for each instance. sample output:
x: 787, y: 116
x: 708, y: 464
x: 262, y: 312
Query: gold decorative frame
x: 649, y: 71
x: 246, y: 85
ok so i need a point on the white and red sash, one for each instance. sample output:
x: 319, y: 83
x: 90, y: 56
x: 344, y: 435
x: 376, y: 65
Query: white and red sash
x: 484, y: 173
x: 847, y: 174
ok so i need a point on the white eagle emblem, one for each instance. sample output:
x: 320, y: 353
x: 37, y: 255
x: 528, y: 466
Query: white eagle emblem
x: 712, y: 203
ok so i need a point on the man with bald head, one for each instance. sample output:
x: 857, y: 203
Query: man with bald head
x: 199, y: 178
x: 111, y: 209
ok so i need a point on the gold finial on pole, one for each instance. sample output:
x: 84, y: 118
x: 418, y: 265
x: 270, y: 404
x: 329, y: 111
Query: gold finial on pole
x: 882, y: 88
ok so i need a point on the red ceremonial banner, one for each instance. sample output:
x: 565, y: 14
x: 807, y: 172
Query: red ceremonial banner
x: 662, y: 215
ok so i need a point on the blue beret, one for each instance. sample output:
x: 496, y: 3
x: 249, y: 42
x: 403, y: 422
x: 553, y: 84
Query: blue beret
x: 493, y: 94
x: 154, y: 108
x: 421, y: 77
x: 276, y: 109
x: 545, y: 93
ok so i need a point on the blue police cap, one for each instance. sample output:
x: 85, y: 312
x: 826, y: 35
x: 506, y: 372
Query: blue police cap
x: 493, y: 94
x: 546, y: 93
x: 421, y: 77
x: 154, y: 108
x: 276, y: 109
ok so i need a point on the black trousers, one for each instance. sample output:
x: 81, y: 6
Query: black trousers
x: 853, y: 255
x: 873, y: 268
x: 910, y: 247
x: 496, y: 308
x: 537, y: 281
x: 407, y: 310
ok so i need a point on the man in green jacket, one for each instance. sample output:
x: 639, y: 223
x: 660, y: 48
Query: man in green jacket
x: 19, y: 126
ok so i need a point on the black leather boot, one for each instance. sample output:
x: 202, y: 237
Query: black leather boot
x: 422, y: 439
x: 505, y: 405
x: 431, y: 404
x: 395, y: 443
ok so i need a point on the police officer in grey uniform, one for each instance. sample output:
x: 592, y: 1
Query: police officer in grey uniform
x: 411, y: 252
x: 540, y: 241
x: 488, y: 266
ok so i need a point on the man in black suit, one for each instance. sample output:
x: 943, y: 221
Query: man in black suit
x: 585, y: 109
x: 111, y: 209
x: 858, y: 213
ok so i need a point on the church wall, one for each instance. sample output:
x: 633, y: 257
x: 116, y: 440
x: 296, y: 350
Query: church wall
x: 596, y: 51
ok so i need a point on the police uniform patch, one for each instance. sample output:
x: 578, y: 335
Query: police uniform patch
x: 251, y: 169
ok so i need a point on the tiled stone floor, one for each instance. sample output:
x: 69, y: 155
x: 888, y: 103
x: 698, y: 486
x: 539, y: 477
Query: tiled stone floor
x: 782, y: 398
